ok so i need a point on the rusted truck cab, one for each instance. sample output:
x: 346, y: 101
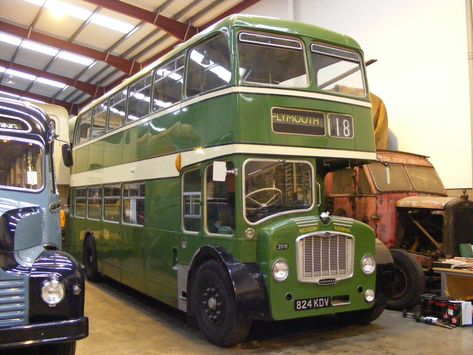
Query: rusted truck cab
x: 403, y: 199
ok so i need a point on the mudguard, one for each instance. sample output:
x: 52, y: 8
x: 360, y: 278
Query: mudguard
x: 384, y: 272
x: 248, y: 284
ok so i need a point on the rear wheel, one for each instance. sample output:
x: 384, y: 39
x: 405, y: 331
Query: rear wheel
x: 409, y: 281
x: 90, y: 260
x: 213, y: 304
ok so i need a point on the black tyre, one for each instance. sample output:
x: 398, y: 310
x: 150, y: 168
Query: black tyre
x: 213, y: 304
x: 90, y: 260
x: 53, y: 349
x: 409, y: 281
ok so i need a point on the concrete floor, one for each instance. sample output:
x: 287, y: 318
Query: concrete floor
x: 125, y: 322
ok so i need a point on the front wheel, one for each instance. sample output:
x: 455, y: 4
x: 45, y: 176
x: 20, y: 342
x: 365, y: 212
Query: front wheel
x: 409, y: 281
x: 213, y: 304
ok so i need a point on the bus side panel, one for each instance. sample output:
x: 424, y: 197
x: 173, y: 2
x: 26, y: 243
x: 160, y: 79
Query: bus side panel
x: 198, y: 126
x: 132, y: 262
x: 112, y: 154
x: 135, y: 143
x: 256, y: 122
x: 81, y: 159
x: 162, y: 238
x: 96, y: 156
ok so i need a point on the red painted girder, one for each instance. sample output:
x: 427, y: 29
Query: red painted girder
x: 122, y: 64
x: 234, y: 10
x: 92, y: 90
x: 178, y: 29
x: 69, y: 106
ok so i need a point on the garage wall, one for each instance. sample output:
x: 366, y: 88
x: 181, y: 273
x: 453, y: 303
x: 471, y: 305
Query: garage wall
x: 421, y: 73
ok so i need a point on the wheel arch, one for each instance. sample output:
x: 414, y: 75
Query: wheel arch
x: 248, y: 284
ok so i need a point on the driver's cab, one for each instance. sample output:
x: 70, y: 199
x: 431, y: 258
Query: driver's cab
x: 218, y: 196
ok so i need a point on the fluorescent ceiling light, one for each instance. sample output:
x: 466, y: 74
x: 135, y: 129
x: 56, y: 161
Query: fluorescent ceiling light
x: 51, y: 82
x: 20, y: 74
x: 112, y: 23
x: 10, y: 39
x: 75, y: 58
x: 41, y: 48
x: 64, y: 8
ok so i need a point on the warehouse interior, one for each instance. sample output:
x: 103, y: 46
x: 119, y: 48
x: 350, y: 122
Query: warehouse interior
x: 418, y: 61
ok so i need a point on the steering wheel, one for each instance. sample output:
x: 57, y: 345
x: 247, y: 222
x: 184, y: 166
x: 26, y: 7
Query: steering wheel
x: 274, y: 197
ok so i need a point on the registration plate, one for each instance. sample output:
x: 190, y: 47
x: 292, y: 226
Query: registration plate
x: 312, y: 303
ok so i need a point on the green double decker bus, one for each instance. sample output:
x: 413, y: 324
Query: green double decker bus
x: 198, y: 180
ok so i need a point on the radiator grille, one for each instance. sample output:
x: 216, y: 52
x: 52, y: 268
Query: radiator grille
x: 324, y: 256
x: 12, y: 302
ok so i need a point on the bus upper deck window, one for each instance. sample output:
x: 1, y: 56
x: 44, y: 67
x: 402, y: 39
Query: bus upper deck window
x: 208, y: 66
x: 117, y: 109
x: 99, y: 115
x: 168, y: 80
x: 139, y: 99
x: 85, y: 123
x: 338, y: 70
x: 267, y: 59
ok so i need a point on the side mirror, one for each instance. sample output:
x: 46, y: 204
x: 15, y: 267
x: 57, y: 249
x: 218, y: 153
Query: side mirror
x: 67, y: 155
x: 219, y: 171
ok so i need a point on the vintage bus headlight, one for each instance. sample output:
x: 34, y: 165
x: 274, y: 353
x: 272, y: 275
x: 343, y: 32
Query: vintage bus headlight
x: 369, y: 295
x: 368, y: 264
x: 52, y: 292
x: 280, y: 270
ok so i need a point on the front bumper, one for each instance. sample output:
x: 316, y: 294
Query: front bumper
x: 44, y: 333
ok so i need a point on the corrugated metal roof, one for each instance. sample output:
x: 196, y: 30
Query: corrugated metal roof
x: 131, y: 40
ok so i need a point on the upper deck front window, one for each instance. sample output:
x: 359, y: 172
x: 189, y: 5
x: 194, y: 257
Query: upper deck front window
x: 274, y: 186
x: 267, y: 59
x: 21, y: 164
x: 338, y: 70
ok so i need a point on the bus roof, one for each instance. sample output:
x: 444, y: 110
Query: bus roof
x: 249, y: 22
x: 21, y: 118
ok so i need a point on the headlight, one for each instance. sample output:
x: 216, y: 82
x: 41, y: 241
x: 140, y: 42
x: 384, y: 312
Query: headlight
x: 52, y: 292
x: 368, y: 264
x: 280, y: 270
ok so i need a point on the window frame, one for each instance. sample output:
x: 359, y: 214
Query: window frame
x: 205, y: 214
x: 182, y: 55
x: 187, y: 60
x: 99, y: 187
x: 104, y: 198
x: 295, y: 211
x: 149, y: 75
x: 197, y: 169
x: 85, y: 203
x: 275, y: 36
x: 123, y: 198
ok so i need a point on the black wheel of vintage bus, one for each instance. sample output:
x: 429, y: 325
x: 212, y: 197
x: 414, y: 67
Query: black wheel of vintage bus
x: 409, y: 281
x: 90, y: 260
x: 213, y: 304
x: 53, y: 349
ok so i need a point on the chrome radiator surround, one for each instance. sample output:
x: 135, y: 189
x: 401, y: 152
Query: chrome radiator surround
x: 325, y: 256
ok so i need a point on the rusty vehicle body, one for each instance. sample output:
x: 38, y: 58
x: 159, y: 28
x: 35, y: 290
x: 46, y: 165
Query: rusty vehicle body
x: 403, y: 199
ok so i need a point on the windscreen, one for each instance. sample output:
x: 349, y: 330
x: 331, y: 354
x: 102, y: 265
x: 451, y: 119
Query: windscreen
x: 390, y: 177
x: 273, y: 187
x: 338, y: 70
x: 425, y: 179
x: 21, y: 164
x: 267, y: 59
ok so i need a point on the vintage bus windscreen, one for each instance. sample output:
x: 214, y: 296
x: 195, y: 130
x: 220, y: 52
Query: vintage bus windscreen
x: 202, y: 172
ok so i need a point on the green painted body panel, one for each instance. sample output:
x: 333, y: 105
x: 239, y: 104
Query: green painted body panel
x: 283, y: 231
x: 231, y: 118
x: 147, y: 258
